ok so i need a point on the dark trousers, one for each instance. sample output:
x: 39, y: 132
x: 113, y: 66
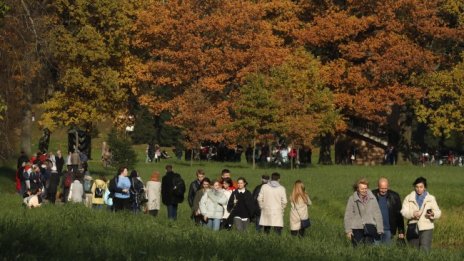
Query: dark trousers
x: 277, y: 230
x: 359, y: 238
x: 51, y: 196
x: 153, y: 212
x: 172, y: 211
x: 299, y: 233
x: 120, y: 204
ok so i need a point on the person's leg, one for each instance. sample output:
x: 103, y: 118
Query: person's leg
x: 301, y: 232
x: 216, y: 224
x: 245, y: 224
x: 386, y: 237
x: 257, y: 226
x: 358, y: 237
x: 170, y: 210
x: 266, y: 229
x: 425, y: 239
x: 174, y: 211
x: 414, y: 243
x: 209, y: 224
x: 278, y: 230
x: 294, y: 232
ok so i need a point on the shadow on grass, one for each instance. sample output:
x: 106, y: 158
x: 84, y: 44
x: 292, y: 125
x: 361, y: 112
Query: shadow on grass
x: 7, y: 179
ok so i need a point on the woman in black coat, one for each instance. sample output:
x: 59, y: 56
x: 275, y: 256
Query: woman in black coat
x: 241, y: 206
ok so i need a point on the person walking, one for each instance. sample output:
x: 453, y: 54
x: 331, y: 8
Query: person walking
x: 257, y: 214
x: 172, y: 191
x: 195, y: 186
x: 272, y: 200
x: 241, y: 205
x: 421, y: 210
x: 122, y: 185
x: 390, y: 207
x: 154, y: 194
x: 299, y: 201
x: 363, y: 219
x: 212, y: 206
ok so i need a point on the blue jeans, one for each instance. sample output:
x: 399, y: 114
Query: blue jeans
x: 172, y: 212
x: 214, y: 223
x: 386, y: 237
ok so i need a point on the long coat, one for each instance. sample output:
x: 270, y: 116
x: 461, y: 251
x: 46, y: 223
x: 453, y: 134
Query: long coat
x: 153, y: 195
x: 272, y: 200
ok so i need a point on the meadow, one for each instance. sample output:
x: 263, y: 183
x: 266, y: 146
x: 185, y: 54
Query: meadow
x: 75, y: 232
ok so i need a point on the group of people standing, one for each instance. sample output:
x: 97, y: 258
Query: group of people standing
x: 377, y: 216
x: 226, y: 204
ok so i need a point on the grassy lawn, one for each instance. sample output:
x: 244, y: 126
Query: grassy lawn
x: 75, y: 232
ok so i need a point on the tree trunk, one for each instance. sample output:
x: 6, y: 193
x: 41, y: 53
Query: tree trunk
x: 324, y: 154
x: 26, y: 130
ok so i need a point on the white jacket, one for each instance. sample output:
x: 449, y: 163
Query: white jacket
x: 410, y: 205
x: 212, y: 204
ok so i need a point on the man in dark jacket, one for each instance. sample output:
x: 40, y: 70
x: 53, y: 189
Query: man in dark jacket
x: 390, y: 206
x: 257, y: 214
x: 172, y: 191
x: 195, y: 186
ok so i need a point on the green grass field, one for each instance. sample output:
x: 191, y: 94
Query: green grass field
x: 74, y: 232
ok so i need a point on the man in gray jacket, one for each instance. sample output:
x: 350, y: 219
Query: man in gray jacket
x: 363, y: 219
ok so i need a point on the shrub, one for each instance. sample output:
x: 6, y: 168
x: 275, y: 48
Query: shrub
x: 122, y: 152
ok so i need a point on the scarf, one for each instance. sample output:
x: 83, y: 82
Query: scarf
x: 420, y: 198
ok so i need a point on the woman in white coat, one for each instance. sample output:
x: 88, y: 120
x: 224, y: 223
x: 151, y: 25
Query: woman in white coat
x: 299, y: 201
x: 154, y: 194
x: 212, y: 206
x: 421, y: 210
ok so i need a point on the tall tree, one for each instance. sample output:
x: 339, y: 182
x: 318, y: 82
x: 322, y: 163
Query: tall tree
x: 202, y: 51
x: 21, y: 69
x: 255, y: 112
x: 372, y: 48
x: 90, y: 46
x: 442, y: 107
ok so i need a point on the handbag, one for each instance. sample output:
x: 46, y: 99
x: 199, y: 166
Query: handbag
x: 305, y: 223
x: 412, y: 232
x: 370, y: 230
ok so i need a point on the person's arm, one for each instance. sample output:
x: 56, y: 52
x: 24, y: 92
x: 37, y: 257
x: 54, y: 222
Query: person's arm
x: 436, y: 212
x: 397, y: 215
x: 348, y: 218
x: 377, y: 216
x: 191, y: 194
x: 406, y: 210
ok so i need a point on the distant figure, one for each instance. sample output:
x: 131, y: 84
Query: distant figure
x: 44, y: 141
x: 172, y: 191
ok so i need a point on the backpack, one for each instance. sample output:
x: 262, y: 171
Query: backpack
x: 88, y: 185
x: 179, y: 186
x: 67, y: 181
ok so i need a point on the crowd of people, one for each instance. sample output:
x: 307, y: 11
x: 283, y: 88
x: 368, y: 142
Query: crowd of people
x: 371, y: 217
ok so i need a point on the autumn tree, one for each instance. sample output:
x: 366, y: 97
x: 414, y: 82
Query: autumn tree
x: 442, y: 106
x: 22, y: 23
x: 372, y: 48
x: 196, y: 54
x: 90, y: 46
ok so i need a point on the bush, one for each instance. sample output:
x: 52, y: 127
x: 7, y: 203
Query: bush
x: 122, y: 152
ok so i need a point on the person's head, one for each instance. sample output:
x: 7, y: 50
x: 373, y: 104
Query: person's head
x: 58, y: 153
x: 382, y: 185
x: 299, y: 191
x: 102, y: 177
x: 217, y: 185
x: 275, y: 176
x: 200, y: 174
x: 35, y: 168
x: 420, y: 185
x: 241, y: 183
x: 264, y: 179
x: 134, y: 174
x: 225, y: 173
x: 361, y: 186
x: 155, y: 176
x: 227, y: 183
x: 122, y: 171
x: 168, y: 168
x: 205, y: 183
